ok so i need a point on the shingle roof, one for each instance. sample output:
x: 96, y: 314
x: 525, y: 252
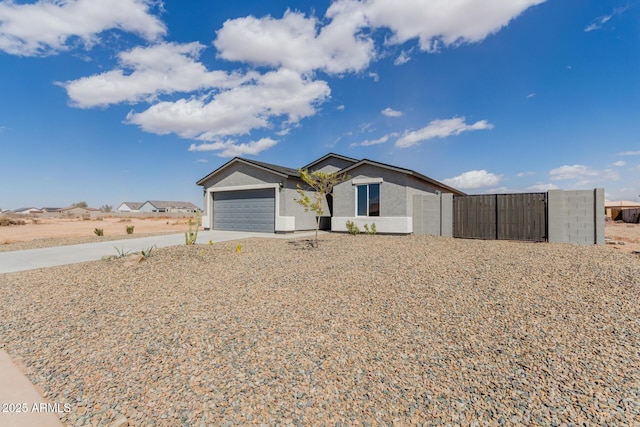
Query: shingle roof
x: 276, y: 168
x: 133, y: 205
x: 294, y: 172
x: 161, y: 204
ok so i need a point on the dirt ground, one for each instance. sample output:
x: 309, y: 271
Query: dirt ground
x: 41, y: 228
x: 622, y: 236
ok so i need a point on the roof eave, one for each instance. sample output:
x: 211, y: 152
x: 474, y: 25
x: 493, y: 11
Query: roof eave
x: 245, y: 161
x: 326, y: 156
x: 405, y: 171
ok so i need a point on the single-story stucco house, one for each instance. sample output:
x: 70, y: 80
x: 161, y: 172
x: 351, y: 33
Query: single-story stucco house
x: 129, y: 207
x: 78, y: 210
x: 162, y: 206
x: 157, y: 206
x: 613, y: 209
x: 248, y: 195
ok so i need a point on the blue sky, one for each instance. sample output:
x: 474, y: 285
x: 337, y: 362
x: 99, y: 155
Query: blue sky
x: 111, y: 100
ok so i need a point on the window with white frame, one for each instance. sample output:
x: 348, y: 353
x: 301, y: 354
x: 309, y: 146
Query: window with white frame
x: 368, y: 200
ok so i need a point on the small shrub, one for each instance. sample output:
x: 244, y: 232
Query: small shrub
x: 98, y: 218
x: 147, y: 252
x: 130, y: 229
x: 370, y: 231
x: 99, y: 232
x: 5, y: 221
x: 121, y: 252
x: 352, y: 228
x: 190, y: 237
x: 86, y: 217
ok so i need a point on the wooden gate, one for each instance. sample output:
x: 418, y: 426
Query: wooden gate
x: 521, y: 216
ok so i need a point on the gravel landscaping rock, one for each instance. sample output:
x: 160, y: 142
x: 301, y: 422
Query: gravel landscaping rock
x: 366, y: 330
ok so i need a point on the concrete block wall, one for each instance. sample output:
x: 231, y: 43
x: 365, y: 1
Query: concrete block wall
x: 576, y: 216
x: 433, y: 214
x: 572, y: 216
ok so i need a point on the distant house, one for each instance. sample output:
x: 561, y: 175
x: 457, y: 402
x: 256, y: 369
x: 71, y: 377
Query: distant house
x: 50, y: 210
x: 613, y: 209
x: 77, y: 210
x: 129, y: 207
x: 162, y: 206
x: 27, y: 211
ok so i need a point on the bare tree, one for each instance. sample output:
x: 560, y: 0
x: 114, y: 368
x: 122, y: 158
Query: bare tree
x: 321, y: 183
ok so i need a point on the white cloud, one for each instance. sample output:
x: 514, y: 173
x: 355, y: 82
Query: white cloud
x: 598, y: 23
x: 146, y: 72
x: 619, y: 163
x: 629, y: 153
x: 369, y: 142
x: 297, y: 42
x: 219, y: 104
x: 442, y: 23
x: 46, y: 27
x: 282, y: 94
x: 440, y: 129
x: 403, y: 58
x: 366, y: 127
x: 389, y: 112
x: 582, y: 173
x: 521, y: 174
x: 374, y: 76
x: 473, y: 179
x: 232, y: 149
x: 340, y: 107
x: 345, y: 45
x: 531, y: 95
x: 541, y: 187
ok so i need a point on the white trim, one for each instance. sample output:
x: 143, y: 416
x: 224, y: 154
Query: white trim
x: 285, y: 223
x: 243, y: 187
x: 281, y: 223
x: 362, y: 181
x: 391, y: 224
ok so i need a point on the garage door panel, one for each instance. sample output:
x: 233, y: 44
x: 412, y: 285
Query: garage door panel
x: 248, y: 210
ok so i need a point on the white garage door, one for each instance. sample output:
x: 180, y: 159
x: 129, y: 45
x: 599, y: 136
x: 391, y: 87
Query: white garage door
x: 248, y: 210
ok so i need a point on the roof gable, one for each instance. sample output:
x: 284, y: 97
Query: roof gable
x: 328, y: 156
x: 402, y: 170
x: 161, y: 204
x: 279, y: 170
x: 132, y: 205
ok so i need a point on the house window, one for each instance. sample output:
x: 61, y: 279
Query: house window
x: 369, y: 200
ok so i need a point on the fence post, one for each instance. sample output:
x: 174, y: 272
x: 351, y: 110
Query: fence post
x: 598, y: 216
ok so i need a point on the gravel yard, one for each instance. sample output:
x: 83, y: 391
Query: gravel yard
x: 366, y: 330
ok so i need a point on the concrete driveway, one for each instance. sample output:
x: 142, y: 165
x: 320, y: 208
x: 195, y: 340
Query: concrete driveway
x: 60, y: 255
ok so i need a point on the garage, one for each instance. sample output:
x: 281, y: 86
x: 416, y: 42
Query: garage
x: 247, y: 210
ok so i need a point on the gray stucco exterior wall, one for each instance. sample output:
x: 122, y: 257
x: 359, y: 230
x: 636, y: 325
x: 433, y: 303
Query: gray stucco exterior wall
x: 289, y: 207
x: 330, y: 165
x: 393, y: 192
